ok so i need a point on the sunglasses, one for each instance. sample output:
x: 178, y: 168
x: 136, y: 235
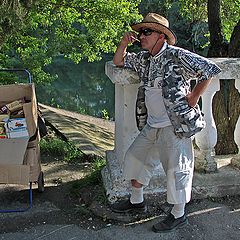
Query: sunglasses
x: 146, y: 32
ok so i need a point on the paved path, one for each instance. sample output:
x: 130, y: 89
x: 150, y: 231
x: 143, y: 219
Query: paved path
x: 92, y: 135
x: 208, y: 220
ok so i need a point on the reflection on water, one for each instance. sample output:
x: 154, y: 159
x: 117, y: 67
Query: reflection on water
x: 82, y: 88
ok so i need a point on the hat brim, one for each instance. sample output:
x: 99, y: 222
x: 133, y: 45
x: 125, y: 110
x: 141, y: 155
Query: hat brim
x: 171, y: 37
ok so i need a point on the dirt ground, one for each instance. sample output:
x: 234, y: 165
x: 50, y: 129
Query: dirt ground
x: 58, y: 205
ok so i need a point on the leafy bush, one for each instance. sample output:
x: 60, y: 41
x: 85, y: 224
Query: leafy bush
x: 66, y: 151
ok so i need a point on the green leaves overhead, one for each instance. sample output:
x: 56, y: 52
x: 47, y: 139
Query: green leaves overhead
x: 32, y: 33
x: 76, y: 29
x: 196, y: 10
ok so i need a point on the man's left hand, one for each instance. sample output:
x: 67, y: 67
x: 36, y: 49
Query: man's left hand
x: 192, y: 99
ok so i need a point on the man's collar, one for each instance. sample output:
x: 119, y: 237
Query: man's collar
x: 161, y: 50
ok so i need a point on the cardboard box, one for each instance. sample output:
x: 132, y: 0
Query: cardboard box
x: 32, y: 159
x: 14, y: 174
x: 13, y: 151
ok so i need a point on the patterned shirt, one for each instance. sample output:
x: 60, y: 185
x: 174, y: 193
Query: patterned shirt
x: 172, y: 69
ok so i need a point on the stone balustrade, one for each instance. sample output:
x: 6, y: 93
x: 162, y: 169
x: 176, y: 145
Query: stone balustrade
x: 126, y: 84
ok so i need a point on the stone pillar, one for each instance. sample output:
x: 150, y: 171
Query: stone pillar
x: 235, y: 161
x: 125, y: 126
x: 207, y: 138
x: 237, y: 128
x: 126, y: 85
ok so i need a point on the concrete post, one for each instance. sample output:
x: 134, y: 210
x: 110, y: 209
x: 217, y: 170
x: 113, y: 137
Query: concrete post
x: 237, y: 128
x: 207, y: 138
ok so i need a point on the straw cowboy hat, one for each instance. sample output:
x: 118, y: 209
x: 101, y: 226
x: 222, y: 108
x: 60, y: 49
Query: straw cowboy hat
x: 158, y: 24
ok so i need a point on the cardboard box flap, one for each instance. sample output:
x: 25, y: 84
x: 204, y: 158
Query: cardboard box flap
x: 12, y: 150
x: 32, y: 158
x: 10, y: 93
x: 14, y: 174
x: 31, y: 115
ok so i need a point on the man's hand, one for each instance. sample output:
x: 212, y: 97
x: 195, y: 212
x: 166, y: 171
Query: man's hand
x: 192, y: 99
x: 128, y: 37
x: 198, y: 90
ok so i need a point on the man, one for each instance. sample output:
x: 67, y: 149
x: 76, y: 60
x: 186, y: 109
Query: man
x: 169, y: 106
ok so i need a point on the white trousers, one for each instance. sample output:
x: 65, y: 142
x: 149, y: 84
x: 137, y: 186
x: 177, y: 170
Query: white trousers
x: 176, y: 156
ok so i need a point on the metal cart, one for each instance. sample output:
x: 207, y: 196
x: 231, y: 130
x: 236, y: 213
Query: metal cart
x: 30, y: 159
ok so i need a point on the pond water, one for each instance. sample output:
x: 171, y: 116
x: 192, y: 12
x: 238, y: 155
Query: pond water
x: 82, y: 88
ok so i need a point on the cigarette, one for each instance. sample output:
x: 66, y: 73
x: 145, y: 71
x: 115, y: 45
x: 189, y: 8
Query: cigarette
x: 135, y: 39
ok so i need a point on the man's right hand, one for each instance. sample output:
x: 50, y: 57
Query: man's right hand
x: 128, y: 38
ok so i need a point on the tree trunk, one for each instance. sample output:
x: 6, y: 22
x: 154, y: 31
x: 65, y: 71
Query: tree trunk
x: 234, y: 46
x: 226, y: 106
x: 226, y: 113
x: 218, y: 48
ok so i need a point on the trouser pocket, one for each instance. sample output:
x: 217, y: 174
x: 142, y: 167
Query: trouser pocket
x: 182, y: 179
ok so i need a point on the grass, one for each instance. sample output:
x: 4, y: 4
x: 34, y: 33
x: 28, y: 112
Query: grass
x: 56, y: 147
x: 92, y: 180
x: 53, y: 146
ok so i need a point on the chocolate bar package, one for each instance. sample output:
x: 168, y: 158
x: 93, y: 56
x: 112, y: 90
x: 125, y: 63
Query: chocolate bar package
x: 12, y: 106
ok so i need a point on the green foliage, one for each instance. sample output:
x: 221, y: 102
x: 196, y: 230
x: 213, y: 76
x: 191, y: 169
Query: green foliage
x: 157, y: 6
x: 189, y: 20
x: 58, y: 148
x: 184, y: 21
x: 7, y: 78
x: 194, y: 10
x: 55, y: 147
x: 73, y: 154
x: 12, y: 15
x: 61, y: 150
x: 33, y: 33
x: 197, y: 11
x: 76, y: 29
x: 105, y: 114
x: 230, y: 16
x: 93, y: 179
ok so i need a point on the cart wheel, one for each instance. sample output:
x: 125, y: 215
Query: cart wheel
x: 40, y: 182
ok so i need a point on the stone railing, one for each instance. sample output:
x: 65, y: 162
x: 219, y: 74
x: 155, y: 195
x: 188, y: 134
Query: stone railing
x: 126, y: 84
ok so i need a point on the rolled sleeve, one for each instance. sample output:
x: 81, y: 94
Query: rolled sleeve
x: 200, y: 66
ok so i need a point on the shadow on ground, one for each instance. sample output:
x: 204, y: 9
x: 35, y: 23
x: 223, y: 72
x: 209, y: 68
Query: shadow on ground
x: 66, y: 201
